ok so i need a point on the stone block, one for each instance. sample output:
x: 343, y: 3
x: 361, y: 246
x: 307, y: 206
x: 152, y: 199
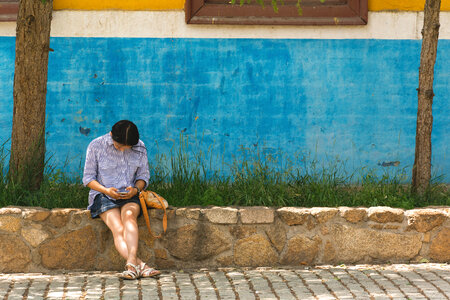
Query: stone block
x: 72, y: 250
x: 160, y: 253
x: 35, y: 214
x: 423, y: 220
x: 324, y: 230
x: 221, y: 215
x: 189, y: 213
x: 354, y: 244
x: 440, y: 246
x: 59, y: 217
x: 144, y: 253
x: 353, y: 214
x: 110, y: 260
x: 164, y: 263
x: 15, y: 256
x: 324, y: 214
x: 382, y: 214
x: 10, y: 223
x: 10, y: 210
x: 240, y: 232
x: 254, y: 251
x: 301, y: 250
x: 256, y: 215
x: 146, y: 237
x: 105, y: 238
x: 159, y: 213
x: 34, y: 235
x: 329, y: 253
x: 79, y: 217
x: 296, y: 216
x: 196, y: 242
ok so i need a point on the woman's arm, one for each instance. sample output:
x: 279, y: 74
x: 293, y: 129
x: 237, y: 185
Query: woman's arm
x: 112, y: 191
x: 142, y: 172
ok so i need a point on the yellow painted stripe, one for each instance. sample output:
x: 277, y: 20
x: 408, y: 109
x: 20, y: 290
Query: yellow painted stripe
x: 118, y: 4
x: 374, y: 5
x: 404, y: 5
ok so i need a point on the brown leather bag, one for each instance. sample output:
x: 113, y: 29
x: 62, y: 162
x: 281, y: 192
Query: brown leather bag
x: 151, y: 199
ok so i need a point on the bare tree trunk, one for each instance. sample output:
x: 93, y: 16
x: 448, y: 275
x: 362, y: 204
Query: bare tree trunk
x: 422, y: 163
x: 30, y: 87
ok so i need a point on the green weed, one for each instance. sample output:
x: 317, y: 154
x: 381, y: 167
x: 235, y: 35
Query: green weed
x: 58, y: 189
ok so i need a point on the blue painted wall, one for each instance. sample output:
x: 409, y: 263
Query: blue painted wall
x: 352, y: 99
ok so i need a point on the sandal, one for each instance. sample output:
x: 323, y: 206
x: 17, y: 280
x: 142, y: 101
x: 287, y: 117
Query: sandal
x: 148, y: 272
x: 130, y: 274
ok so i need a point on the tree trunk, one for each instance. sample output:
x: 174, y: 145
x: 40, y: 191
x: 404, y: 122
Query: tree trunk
x: 30, y: 87
x: 422, y: 163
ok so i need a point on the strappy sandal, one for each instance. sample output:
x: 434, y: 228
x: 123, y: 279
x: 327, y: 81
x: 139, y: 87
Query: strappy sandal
x: 148, y: 272
x: 130, y: 274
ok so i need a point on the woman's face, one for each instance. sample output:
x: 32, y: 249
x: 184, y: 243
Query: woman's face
x: 120, y: 147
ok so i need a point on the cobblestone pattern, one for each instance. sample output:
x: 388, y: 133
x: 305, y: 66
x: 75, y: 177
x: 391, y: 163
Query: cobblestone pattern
x: 424, y: 281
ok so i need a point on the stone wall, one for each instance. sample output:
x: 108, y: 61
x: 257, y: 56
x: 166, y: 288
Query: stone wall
x: 40, y: 240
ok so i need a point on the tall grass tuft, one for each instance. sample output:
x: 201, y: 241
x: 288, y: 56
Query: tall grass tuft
x: 58, y: 189
x: 185, y: 178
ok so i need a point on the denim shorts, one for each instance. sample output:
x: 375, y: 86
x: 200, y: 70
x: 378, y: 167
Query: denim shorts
x: 102, y: 203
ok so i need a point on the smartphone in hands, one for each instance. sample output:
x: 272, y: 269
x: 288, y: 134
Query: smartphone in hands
x: 122, y: 192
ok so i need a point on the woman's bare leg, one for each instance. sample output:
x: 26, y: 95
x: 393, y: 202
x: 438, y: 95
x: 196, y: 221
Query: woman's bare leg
x: 123, y: 225
x: 113, y: 220
x: 129, y: 213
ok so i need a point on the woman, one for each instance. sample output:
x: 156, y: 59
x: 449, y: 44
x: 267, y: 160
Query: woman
x: 116, y: 170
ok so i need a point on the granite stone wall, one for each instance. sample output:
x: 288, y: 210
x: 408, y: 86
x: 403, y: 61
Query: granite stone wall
x: 41, y: 240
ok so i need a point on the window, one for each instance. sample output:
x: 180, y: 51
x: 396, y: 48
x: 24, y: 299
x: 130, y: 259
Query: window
x: 313, y: 12
x: 8, y: 10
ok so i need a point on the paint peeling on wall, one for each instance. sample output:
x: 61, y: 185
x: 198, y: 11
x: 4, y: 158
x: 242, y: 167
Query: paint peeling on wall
x: 84, y: 131
x: 389, y: 164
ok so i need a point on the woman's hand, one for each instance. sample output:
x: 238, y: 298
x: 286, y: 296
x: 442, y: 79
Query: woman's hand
x: 132, y: 191
x: 113, y: 193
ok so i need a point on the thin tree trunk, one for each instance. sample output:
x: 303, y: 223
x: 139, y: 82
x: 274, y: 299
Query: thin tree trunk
x: 30, y: 88
x: 422, y: 163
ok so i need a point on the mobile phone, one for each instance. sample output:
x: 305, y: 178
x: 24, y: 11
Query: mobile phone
x: 122, y: 192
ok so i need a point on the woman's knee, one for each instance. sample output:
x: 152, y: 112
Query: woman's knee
x: 130, y: 211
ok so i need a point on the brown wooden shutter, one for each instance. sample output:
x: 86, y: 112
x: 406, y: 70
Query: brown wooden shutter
x: 313, y: 12
x: 8, y: 10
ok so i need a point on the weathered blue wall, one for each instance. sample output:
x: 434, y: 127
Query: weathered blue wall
x: 355, y: 99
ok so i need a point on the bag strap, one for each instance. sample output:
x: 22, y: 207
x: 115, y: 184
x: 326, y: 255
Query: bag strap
x: 146, y: 217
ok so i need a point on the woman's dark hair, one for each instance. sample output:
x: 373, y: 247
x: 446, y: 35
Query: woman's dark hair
x: 125, y: 132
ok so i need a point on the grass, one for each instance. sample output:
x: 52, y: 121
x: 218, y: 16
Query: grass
x: 185, y: 178
x: 58, y: 190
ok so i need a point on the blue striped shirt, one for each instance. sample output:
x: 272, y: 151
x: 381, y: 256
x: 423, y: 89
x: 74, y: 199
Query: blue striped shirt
x: 114, y: 168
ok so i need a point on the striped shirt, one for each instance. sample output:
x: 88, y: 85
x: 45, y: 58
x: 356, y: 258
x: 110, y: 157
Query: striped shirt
x: 114, y: 168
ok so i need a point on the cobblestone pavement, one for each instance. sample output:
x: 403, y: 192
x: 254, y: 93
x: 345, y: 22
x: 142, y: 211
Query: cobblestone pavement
x: 399, y: 281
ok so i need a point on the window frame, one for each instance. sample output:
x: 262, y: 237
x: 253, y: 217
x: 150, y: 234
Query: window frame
x: 9, y: 10
x: 355, y: 12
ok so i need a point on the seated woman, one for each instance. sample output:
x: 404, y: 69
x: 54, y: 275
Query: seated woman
x: 116, y: 170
